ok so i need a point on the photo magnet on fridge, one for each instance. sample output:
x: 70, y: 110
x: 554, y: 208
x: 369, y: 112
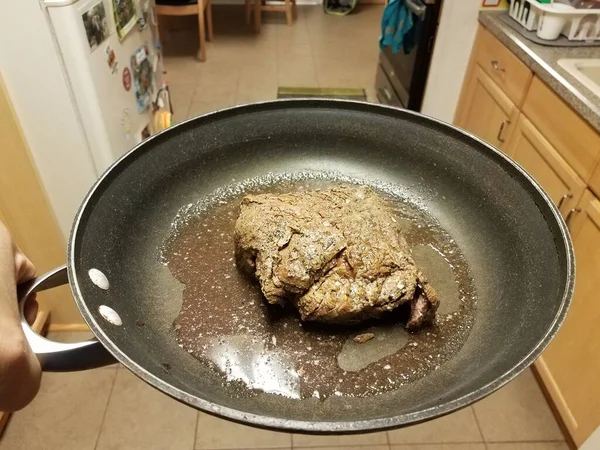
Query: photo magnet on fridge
x: 141, y: 69
x: 95, y: 23
x: 125, y: 16
x: 111, y: 59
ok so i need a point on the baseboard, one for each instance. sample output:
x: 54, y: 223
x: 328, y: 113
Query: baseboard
x: 38, y: 326
x: 68, y: 327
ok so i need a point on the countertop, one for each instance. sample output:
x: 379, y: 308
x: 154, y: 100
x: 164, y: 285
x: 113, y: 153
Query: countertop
x: 543, y: 61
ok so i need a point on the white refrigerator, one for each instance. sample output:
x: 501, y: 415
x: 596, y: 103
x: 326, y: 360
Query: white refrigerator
x: 112, y: 60
x: 84, y: 84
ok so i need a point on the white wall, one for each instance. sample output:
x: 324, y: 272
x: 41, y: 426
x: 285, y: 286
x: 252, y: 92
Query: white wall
x: 453, y: 44
x: 37, y: 88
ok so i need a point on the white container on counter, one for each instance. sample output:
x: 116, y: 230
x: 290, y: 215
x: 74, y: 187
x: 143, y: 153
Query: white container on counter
x: 552, y: 22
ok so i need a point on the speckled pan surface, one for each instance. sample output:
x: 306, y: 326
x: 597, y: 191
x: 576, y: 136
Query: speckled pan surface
x: 513, y: 238
x: 543, y: 61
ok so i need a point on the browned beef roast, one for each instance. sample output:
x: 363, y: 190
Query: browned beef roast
x: 336, y: 254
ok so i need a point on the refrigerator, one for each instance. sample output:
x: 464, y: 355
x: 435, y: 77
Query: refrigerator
x: 111, y: 56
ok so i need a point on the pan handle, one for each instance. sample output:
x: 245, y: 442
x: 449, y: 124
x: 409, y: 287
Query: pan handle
x: 59, y: 356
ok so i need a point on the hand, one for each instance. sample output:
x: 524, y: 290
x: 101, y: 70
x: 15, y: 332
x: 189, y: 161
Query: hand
x: 20, y: 371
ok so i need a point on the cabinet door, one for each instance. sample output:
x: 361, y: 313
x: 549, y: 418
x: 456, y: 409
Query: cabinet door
x: 531, y: 150
x: 570, y: 367
x: 24, y: 209
x: 484, y: 109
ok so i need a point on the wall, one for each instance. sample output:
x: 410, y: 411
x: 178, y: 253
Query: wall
x: 37, y: 88
x: 456, y: 33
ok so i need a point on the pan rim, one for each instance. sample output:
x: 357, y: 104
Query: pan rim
x: 325, y: 427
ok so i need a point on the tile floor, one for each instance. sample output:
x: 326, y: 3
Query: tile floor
x: 110, y: 408
x: 242, y: 67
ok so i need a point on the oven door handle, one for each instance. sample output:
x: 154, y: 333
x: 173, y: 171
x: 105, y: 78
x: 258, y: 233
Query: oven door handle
x: 416, y: 7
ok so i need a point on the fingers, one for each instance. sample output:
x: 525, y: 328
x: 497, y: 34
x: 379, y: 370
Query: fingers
x: 31, y: 310
x: 25, y: 270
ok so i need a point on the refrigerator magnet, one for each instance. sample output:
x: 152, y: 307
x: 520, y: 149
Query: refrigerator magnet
x: 144, y: 13
x: 141, y: 70
x: 126, y: 123
x: 127, y: 79
x: 125, y: 16
x: 95, y: 23
x: 111, y: 59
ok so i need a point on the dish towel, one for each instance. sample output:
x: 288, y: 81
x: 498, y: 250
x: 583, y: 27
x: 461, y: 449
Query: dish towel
x: 399, y: 27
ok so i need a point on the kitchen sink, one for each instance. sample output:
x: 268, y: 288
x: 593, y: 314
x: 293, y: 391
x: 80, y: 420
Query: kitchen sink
x: 587, y: 72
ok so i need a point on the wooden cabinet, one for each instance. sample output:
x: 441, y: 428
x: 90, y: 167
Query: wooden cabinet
x: 484, y: 109
x: 577, y: 142
x: 537, y: 156
x: 501, y: 103
x: 501, y: 65
x: 570, y: 367
x: 26, y: 212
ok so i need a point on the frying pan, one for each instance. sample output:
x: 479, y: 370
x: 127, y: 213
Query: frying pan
x: 515, y: 242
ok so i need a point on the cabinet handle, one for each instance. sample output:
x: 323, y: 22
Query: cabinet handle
x: 497, y: 67
x: 563, y: 198
x: 571, y: 214
x: 501, y: 130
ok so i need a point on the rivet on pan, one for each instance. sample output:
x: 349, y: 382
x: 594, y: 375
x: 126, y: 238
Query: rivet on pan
x: 99, y: 279
x: 110, y: 315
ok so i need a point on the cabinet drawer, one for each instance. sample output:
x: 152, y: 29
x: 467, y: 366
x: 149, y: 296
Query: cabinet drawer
x: 575, y: 140
x: 505, y: 69
x: 595, y: 181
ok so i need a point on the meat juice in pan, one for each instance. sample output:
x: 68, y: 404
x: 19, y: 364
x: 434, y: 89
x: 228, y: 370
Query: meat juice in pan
x: 226, y: 323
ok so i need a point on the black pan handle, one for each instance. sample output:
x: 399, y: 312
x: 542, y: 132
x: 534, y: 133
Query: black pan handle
x: 59, y: 356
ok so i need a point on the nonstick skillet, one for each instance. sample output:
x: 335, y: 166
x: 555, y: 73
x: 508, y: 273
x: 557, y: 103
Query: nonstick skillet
x: 513, y: 238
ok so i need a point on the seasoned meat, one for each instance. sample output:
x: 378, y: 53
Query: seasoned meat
x: 337, y: 255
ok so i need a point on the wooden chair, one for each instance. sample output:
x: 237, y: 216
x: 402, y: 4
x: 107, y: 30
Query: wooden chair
x: 288, y: 7
x: 183, y: 8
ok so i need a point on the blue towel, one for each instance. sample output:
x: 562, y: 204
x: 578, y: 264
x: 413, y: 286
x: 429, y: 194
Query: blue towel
x: 399, y: 27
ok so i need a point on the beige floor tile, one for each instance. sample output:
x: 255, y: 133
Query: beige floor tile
x: 182, y: 70
x: 66, y: 414
x: 257, y: 83
x: 69, y: 336
x: 459, y: 426
x: 213, y: 89
x: 181, y: 99
x: 517, y: 412
x: 199, y: 108
x: 140, y: 417
x: 345, y: 72
x: 359, y: 447
x: 529, y: 446
x: 297, y: 72
x: 215, y: 433
x: 369, y: 439
x: 75, y: 336
x: 290, y: 50
x: 439, y: 447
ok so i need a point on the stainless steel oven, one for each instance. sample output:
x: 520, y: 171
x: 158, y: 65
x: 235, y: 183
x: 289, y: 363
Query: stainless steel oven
x: 401, y: 76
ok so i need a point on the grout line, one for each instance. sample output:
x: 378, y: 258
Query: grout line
x: 112, y: 388
x: 389, y: 443
x: 478, y: 424
x: 196, y: 430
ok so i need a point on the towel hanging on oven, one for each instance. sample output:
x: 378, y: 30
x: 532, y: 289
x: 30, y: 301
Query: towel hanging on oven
x: 399, y: 27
